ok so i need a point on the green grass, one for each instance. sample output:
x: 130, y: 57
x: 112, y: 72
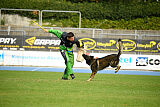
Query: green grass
x: 46, y: 89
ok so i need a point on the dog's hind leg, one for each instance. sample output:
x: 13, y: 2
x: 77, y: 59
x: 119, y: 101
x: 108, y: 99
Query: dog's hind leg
x: 118, y: 67
x: 89, y: 79
x: 92, y: 76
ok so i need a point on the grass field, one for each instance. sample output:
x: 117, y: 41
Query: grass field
x: 46, y: 89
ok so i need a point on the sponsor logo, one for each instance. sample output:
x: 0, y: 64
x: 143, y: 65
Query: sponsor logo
x: 37, y: 57
x: 89, y: 43
x: 142, y: 61
x: 158, y: 46
x: 30, y: 41
x: 33, y: 41
x: 125, y: 60
x: 154, y: 61
x: 8, y: 40
x: 110, y: 43
x: 152, y: 44
x: 128, y: 45
x: 1, y: 57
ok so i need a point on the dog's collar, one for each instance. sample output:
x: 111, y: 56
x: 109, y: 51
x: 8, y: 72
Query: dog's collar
x: 92, y: 62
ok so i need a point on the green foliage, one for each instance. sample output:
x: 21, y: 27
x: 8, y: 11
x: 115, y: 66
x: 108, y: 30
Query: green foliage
x: 112, y: 1
x: 102, y: 10
x: 2, y: 22
x: 101, y: 14
x: 146, y: 23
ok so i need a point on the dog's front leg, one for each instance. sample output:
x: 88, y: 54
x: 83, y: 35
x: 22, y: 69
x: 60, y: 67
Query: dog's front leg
x: 92, y: 76
x: 118, y: 67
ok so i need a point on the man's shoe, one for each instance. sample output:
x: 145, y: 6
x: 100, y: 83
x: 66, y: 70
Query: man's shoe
x: 72, y: 76
x: 65, y: 78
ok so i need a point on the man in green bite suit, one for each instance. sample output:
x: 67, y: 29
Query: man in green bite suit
x: 66, y: 49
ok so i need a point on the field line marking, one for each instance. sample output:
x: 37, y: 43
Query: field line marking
x: 35, y: 69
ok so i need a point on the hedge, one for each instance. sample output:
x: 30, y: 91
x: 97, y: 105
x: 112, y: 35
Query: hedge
x: 147, y: 23
x: 110, y: 11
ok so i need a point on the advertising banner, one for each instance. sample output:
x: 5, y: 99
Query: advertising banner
x: 31, y: 43
x: 42, y: 58
x: 130, y: 45
x: 48, y: 43
x: 41, y: 43
x: 33, y: 58
x: 11, y: 41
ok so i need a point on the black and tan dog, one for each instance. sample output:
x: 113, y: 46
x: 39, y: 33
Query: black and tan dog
x: 101, y: 63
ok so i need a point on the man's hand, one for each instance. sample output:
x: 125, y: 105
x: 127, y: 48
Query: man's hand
x: 45, y: 30
x: 81, y: 44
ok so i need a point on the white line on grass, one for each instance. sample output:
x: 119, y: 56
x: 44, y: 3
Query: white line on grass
x: 35, y: 69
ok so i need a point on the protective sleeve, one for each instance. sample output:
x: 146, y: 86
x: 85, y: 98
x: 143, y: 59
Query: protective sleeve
x: 58, y: 33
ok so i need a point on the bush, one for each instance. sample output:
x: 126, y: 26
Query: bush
x: 102, y: 10
x: 146, y: 23
x: 135, y: 15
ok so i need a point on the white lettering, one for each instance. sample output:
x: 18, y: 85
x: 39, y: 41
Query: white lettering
x: 8, y: 40
x: 13, y: 40
x: 46, y: 42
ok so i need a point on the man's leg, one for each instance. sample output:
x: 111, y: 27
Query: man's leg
x: 69, y: 59
x: 65, y: 75
x: 65, y: 55
x: 71, y: 62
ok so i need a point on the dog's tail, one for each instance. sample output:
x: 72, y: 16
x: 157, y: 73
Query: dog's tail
x: 120, y: 47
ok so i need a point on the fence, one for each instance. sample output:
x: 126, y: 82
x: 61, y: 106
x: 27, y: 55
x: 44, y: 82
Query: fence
x: 97, y: 40
x: 14, y: 19
x: 34, y: 14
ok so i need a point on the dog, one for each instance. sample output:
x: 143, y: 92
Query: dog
x: 101, y: 63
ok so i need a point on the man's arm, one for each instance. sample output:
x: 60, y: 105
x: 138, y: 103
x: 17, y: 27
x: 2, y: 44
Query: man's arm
x: 79, y: 43
x: 58, y: 33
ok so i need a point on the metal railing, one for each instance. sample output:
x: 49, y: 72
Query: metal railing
x: 12, y: 32
x: 59, y: 11
x: 40, y: 15
x: 32, y: 10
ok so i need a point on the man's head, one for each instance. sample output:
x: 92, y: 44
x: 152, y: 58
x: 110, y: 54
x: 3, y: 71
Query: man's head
x: 70, y: 36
